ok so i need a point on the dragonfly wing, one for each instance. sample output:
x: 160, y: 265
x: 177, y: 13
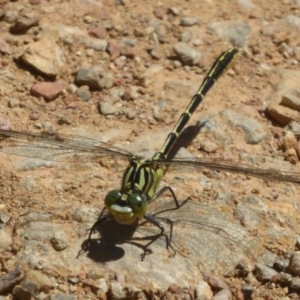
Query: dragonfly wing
x: 58, y: 147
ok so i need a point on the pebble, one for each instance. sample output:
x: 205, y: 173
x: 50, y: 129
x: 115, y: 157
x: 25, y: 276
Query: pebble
x: 187, y: 55
x: 48, y: 90
x: 84, y: 95
x: 294, y: 264
x: 5, y: 240
x: 13, y: 102
x: 4, y: 217
x: 253, y: 131
x: 23, y: 24
x: 117, y: 291
x: 45, y: 56
x: 95, y: 78
x: 236, y: 32
x: 186, y: 36
x: 264, y: 273
x: 247, y: 290
x: 283, y: 115
x: 203, y: 290
x: 99, y: 32
x: 96, y: 44
x: 26, y: 290
x: 60, y: 296
x: 223, y: 295
x: 188, y: 21
x: 295, y: 284
x: 215, y: 282
x: 159, y: 12
x: 209, y: 146
x: 281, y: 265
x: 107, y: 109
x: 42, y: 281
x: 289, y: 141
x: 59, y: 241
x: 114, y: 50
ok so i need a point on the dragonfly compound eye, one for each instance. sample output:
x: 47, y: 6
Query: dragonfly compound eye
x: 138, y: 203
x: 111, y: 198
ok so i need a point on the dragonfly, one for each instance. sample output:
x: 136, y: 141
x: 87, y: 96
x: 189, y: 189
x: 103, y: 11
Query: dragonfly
x: 142, y: 177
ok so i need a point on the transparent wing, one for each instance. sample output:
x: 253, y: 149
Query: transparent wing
x: 255, y: 170
x: 57, y: 147
x: 206, y: 237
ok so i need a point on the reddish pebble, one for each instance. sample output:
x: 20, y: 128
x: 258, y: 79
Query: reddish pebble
x: 114, y: 51
x: 34, y: 2
x: 48, y: 90
x: 99, y: 32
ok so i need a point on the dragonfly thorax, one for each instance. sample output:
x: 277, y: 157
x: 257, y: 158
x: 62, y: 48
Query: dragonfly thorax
x: 126, y: 207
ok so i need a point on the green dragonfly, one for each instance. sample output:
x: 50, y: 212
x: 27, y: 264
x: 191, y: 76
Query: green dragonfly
x: 142, y: 176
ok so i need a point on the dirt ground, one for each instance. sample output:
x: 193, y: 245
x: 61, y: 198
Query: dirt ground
x: 136, y: 90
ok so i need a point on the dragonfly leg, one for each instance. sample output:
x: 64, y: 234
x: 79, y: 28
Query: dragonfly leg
x: 163, y: 190
x: 154, y: 221
x: 98, y: 222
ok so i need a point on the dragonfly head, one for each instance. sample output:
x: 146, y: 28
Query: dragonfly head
x: 126, y: 208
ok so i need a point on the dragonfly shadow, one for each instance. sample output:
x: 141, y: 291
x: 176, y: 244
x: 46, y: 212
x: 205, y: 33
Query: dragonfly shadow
x: 185, y: 139
x: 112, y: 236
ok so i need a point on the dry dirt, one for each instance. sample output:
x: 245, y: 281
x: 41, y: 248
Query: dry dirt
x: 69, y: 197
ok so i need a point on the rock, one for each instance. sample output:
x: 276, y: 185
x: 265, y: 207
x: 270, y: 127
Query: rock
x: 294, y: 264
x: 117, y: 291
x: 209, y: 146
x: 26, y: 290
x: 161, y: 32
x: 235, y: 31
x: 23, y: 24
x: 48, y: 90
x: 96, y: 44
x: 188, y: 21
x: 4, y: 217
x: 13, y: 102
x: 281, y: 264
x: 282, y: 114
x: 107, y: 109
x: 295, y: 284
x: 291, y: 99
x: 203, y: 290
x: 223, y: 295
x: 253, y: 131
x: 289, y: 141
x: 99, y: 32
x: 186, y: 36
x: 95, y: 78
x: 59, y: 241
x: 180, y: 88
x: 42, y: 281
x: 187, y: 55
x: 247, y: 291
x: 60, y: 296
x: 84, y: 95
x: 114, y: 50
x: 215, y: 282
x: 159, y: 12
x: 5, y: 240
x: 45, y: 56
x: 264, y: 273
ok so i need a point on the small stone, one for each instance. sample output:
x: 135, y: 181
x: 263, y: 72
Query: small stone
x: 203, y: 290
x: 23, y: 24
x: 99, y: 32
x: 95, y: 78
x: 291, y: 99
x: 48, y: 90
x: 4, y: 217
x: 84, y: 95
x: 209, y: 146
x: 13, y: 102
x: 186, y: 36
x: 34, y: 115
x: 45, y: 56
x: 281, y: 264
x: 5, y: 240
x: 59, y: 241
x: 215, y: 282
x: 177, y: 64
x: 289, y: 141
x: 294, y: 264
x: 188, y: 21
x: 26, y: 290
x: 295, y: 284
x: 223, y: 295
x: 34, y: 2
x: 187, y: 55
x: 96, y: 44
x: 282, y: 114
x: 107, y: 109
x: 159, y: 12
x: 117, y: 291
x: 42, y: 281
x: 264, y: 273
x: 247, y: 290
x: 114, y: 50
